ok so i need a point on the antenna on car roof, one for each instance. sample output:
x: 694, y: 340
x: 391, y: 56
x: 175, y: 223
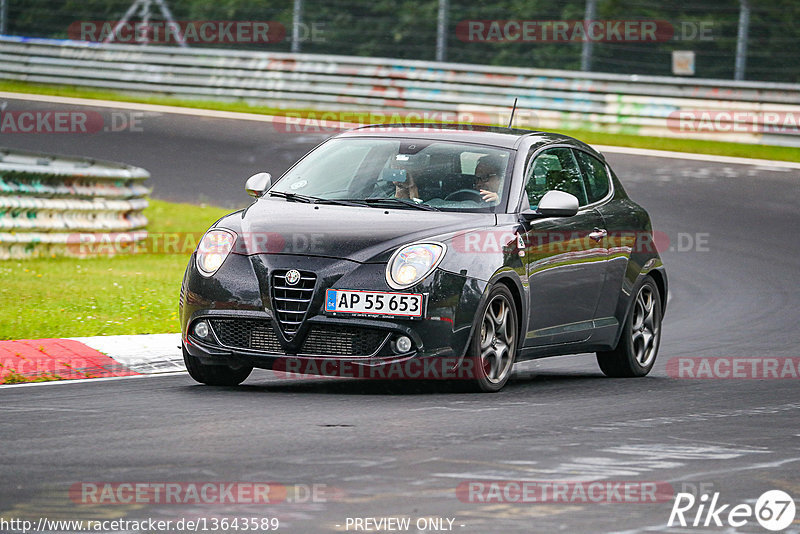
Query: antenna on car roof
x: 511, y: 120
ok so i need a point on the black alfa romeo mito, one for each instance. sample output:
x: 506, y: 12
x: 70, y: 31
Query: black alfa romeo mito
x: 427, y: 252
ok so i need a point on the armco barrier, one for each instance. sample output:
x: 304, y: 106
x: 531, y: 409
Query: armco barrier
x: 754, y: 112
x: 49, y: 203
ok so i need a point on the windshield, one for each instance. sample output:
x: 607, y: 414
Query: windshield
x: 429, y: 174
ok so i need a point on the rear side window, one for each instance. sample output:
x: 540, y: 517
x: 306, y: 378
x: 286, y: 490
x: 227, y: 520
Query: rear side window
x: 595, y: 176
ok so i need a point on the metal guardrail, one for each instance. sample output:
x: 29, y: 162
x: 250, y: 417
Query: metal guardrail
x: 52, y: 205
x: 645, y: 105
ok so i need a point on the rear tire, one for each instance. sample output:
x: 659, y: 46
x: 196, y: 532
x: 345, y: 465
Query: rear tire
x: 493, y: 347
x: 215, y: 375
x: 637, y: 348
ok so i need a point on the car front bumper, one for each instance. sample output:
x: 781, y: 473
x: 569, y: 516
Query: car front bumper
x: 238, y: 306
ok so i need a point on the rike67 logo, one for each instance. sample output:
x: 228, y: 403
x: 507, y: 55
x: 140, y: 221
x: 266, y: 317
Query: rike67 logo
x: 774, y: 510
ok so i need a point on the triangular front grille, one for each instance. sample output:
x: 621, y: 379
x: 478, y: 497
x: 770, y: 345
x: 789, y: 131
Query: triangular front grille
x: 290, y: 303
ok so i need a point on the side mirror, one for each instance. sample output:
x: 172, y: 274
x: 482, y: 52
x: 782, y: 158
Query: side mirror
x: 258, y: 184
x: 554, y: 204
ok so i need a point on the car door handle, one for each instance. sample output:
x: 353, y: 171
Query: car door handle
x: 598, y: 234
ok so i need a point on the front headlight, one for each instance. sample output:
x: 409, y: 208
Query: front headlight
x: 213, y: 249
x: 412, y: 263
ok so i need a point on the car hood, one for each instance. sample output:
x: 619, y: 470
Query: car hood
x: 363, y: 234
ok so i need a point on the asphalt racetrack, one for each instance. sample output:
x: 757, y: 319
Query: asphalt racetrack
x: 402, y: 451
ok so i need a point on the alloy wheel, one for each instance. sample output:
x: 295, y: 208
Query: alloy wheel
x: 497, y: 340
x: 644, y: 328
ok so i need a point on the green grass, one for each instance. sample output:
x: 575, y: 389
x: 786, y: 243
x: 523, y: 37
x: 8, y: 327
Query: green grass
x: 720, y: 148
x: 125, y: 294
x: 695, y: 146
x: 159, y: 99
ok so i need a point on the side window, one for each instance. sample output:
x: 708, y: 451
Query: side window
x: 557, y: 169
x: 595, y: 176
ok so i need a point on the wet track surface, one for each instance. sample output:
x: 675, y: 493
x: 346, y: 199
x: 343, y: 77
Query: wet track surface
x: 402, y: 451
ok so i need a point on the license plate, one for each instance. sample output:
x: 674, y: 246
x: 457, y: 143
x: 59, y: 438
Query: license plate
x: 374, y: 303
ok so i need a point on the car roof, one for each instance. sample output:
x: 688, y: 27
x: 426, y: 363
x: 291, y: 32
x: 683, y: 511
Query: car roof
x: 468, y: 133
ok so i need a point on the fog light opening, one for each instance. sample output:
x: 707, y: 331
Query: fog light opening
x: 401, y: 344
x: 201, y: 329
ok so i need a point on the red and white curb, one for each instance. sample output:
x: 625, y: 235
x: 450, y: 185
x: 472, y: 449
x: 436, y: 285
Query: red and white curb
x: 32, y: 360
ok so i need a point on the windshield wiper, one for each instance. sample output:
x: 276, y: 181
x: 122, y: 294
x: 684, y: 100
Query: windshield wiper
x: 339, y: 202
x: 313, y: 200
x: 293, y: 196
x: 351, y: 201
x: 402, y: 201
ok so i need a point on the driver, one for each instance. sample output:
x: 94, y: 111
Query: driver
x: 488, y: 177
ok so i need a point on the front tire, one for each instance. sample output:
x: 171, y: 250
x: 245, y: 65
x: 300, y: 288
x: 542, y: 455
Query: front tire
x: 493, y: 348
x: 214, y: 375
x: 636, y: 350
